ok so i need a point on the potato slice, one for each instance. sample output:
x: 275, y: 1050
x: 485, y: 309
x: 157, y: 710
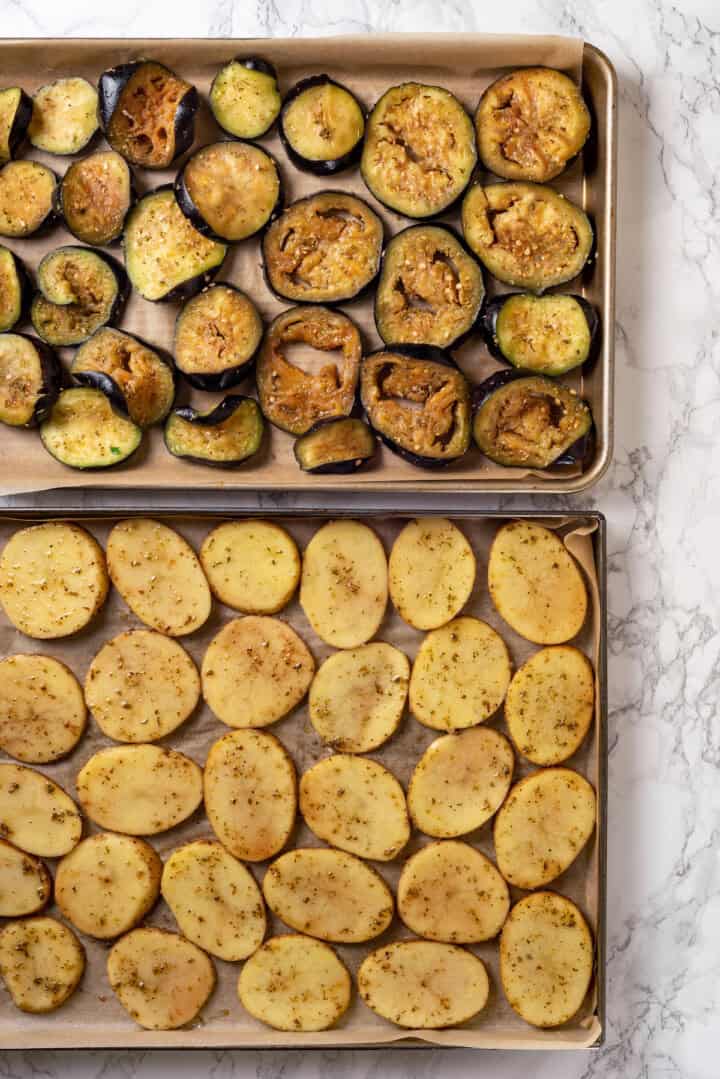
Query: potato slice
x: 357, y: 805
x: 535, y: 583
x: 41, y: 962
x: 252, y: 566
x: 451, y: 892
x: 545, y: 822
x: 160, y: 978
x: 328, y: 894
x: 295, y: 983
x: 255, y: 671
x: 460, y: 675
x: 159, y: 576
x: 36, y: 814
x: 460, y: 781
x: 53, y: 579
x: 358, y: 696
x: 139, y: 790
x: 25, y: 884
x: 549, y: 705
x: 141, y: 686
x: 422, y: 985
x: 344, y: 587
x: 42, y: 710
x: 108, y: 884
x: 250, y: 794
x: 546, y: 959
x: 215, y: 900
x: 431, y: 572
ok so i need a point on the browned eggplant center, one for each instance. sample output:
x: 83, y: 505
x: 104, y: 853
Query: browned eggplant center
x: 96, y: 195
x: 418, y: 403
x: 234, y: 187
x: 418, y: 141
x: 9, y: 289
x: 529, y: 425
x: 533, y: 233
x: 218, y: 330
x: 26, y: 193
x: 142, y: 126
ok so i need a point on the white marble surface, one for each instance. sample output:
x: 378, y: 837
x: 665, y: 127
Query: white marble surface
x: 662, y: 499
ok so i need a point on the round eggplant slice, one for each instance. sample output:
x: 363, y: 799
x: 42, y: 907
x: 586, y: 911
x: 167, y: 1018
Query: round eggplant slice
x: 64, y: 116
x: 165, y: 256
x: 14, y: 289
x: 293, y: 398
x: 419, y: 150
x: 526, y: 235
x: 216, y: 337
x: 335, y: 446
x: 27, y: 194
x: 322, y: 126
x: 147, y: 112
x: 87, y: 428
x: 225, y: 437
x: 544, y: 335
x: 530, y: 123
x: 244, y: 97
x: 30, y: 379
x: 323, y: 249
x: 15, y: 113
x: 145, y: 380
x: 94, y: 197
x: 229, y: 190
x: 430, y: 290
x: 80, y: 290
x: 526, y: 421
x: 418, y: 401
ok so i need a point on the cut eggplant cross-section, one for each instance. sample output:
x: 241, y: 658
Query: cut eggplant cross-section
x: 216, y: 337
x: 86, y: 428
x: 80, y: 290
x: 27, y: 196
x: 224, y: 437
x: 95, y: 196
x: 335, y: 446
x: 322, y: 126
x: 244, y: 97
x: 543, y: 335
x: 15, y: 113
x: 64, y: 116
x: 30, y: 379
x: 145, y: 380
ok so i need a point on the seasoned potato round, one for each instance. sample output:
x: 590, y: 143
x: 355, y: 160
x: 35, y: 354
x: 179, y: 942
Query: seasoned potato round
x: 36, y: 814
x: 546, y: 959
x: 41, y: 962
x: 549, y: 705
x: 255, y: 671
x: 25, y: 884
x: 295, y: 983
x: 42, y: 711
x: 460, y: 675
x: 545, y: 822
x: 431, y: 572
x: 252, y: 566
x: 53, y: 579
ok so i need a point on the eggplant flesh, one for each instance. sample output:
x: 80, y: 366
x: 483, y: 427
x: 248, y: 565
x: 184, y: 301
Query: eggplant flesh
x: 322, y: 126
x: 30, y: 379
x: 27, y: 197
x: 95, y: 196
x: 14, y: 289
x: 64, y: 116
x: 80, y: 290
x: 335, y: 446
x: 217, y: 334
x: 88, y: 428
x: 147, y: 112
x: 15, y: 115
x: 244, y: 97
x: 144, y: 379
x: 225, y: 437
x: 545, y: 335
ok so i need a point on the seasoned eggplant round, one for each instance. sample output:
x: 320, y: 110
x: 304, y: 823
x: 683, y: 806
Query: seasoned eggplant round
x: 14, y: 289
x: 147, y: 112
x: 15, y: 113
x: 526, y: 235
x: 94, y: 197
x: 27, y: 195
x: 244, y: 97
x: 526, y: 421
x: 430, y: 290
x: 145, y: 380
x: 90, y: 428
x: 545, y: 335
x: 530, y: 123
x: 419, y: 150
x: 225, y: 437
x: 322, y: 126
x: 216, y: 337
x: 293, y: 398
x: 30, y: 379
x: 418, y: 402
x: 80, y: 290
x: 229, y: 190
x: 64, y: 116
x: 335, y: 446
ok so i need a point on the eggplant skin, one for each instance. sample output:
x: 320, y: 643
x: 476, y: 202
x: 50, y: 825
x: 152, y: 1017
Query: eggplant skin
x: 545, y: 344
x: 15, y: 289
x: 15, y: 115
x: 321, y: 166
x: 237, y: 421
x: 335, y: 447
x: 241, y: 112
x: 30, y: 385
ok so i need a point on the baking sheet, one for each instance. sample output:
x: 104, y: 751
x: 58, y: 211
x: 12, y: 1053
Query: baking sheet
x: 94, y: 1017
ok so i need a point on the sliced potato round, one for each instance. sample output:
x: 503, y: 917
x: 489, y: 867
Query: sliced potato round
x: 358, y: 696
x: 549, y: 705
x: 460, y: 675
x: 344, y: 587
x: 460, y: 781
x: 295, y: 983
x: 41, y: 962
x: 546, y: 959
x: 53, y: 579
x: 420, y: 984
x: 25, y: 884
x: 328, y: 894
x: 215, y: 900
x: 36, y: 814
x: 252, y: 566
x: 108, y: 884
x: 159, y: 576
x: 139, y: 790
x: 160, y: 978
x: 536, y: 584
x: 141, y: 686
x: 431, y: 572
x: 357, y: 805
x: 42, y: 710
x: 250, y: 794
x: 545, y: 822
x: 255, y: 671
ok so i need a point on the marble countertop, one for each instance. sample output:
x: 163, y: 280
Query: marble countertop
x: 662, y: 501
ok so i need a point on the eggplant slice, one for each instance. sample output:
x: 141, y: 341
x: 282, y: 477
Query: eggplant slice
x: 89, y: 428
x: 543, y: 335
x: 145, y: 380
x: 430, y: 289
x: 322, y: 126
x: 80, y: 291
x: 15, y: 114
x: 418, y: 401
x: 527, y: 421
x: 94, y: 197
x: 64, y: 116
x: 336, y: 446
x: 526, y: 235
x: 294, y: 399
x: 27, y: 196
x: 323, y: 249
x: 229, y: 190
x: 244, y: 97
x: 216, y: 337
x: 419, y: 151
x: 225, y: 437
x: 165, y: 256
x: 15, y: 289
x: 30, y: 379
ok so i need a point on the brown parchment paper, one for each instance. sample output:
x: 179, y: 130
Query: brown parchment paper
x: 94, y: 1017
x: 368, y: 65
